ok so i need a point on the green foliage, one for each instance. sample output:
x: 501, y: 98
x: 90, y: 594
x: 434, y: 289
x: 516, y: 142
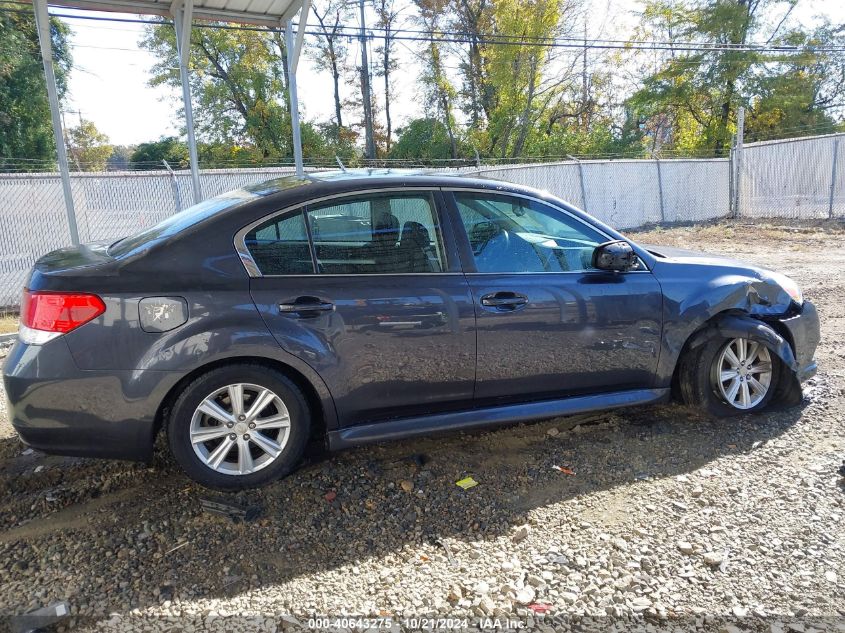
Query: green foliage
x: 425, y: 139
x: 150, y: 155
x: 803, y: 91
x: 522, y: 101
x: 120, y: 158
x: 602, y: 138
x: 237, y: 81
x: 514, y: 73
x: 690, y: 102
x: 26, y: 129
x: 87, y: 147
x: 518, y: 101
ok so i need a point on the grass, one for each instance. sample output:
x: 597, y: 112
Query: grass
x: 8, y: 322
x: 792, y: 233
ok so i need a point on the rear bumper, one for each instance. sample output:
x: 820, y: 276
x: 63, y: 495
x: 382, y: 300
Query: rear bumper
x: 58, y: 408
x: 804, y: 331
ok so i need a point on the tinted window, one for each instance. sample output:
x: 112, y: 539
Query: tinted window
x: 394, y: 233
x: 509, y: 234
x: 280, y: 246
x: 180, y: 221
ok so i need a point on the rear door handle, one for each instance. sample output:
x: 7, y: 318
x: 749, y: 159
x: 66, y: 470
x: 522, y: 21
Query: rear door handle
x: 504, y: 300
x: 305, y: 307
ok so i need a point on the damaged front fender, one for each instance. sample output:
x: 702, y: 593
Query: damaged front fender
x: 701, y: 294
x: 732, y: 326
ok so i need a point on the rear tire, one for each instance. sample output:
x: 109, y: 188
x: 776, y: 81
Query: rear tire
x: 720, y: 379
x: 239, y: 426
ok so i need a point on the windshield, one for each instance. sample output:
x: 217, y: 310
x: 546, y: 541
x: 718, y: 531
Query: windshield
x: 179, y: 222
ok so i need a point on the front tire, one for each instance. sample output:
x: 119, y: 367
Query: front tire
x: 239, y: 426
x: 729, y: 377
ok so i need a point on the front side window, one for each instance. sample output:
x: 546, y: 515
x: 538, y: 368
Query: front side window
x: 510, y: 234
x: 384, y: 233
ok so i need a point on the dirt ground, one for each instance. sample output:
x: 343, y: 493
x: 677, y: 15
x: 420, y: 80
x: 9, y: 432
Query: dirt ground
x: 670, y: 518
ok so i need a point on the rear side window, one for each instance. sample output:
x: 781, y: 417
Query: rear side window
x: 280, y: 246
x: 393, y: 233
x: 376, y: 234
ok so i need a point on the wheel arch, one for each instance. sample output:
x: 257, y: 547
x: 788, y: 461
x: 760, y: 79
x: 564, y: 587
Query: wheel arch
x: 736, y: 323
x: 321, y: 411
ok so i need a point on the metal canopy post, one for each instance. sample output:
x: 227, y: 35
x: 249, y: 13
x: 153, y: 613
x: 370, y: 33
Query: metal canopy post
x: 270, y: 14
x: 183, y: 11
x: 294, y: 48
x: 737, y: 163
x: 42, y: 24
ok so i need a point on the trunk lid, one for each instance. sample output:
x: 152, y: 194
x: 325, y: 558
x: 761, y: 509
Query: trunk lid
x: 66, y: 268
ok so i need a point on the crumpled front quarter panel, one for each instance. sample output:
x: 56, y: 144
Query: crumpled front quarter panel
x: 694, y: 293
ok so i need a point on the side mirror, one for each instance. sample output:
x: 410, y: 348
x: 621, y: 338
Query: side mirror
x: 617, y: 256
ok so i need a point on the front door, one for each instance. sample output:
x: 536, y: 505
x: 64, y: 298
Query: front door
x: 547, y: 323
x: 374, y: 302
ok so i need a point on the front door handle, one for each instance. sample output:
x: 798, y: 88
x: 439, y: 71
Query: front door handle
x: 504, y: 300
x: 306, y: 307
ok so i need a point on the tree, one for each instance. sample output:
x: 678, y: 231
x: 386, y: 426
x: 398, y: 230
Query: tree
x: 696, y: 94
x: 425, y: 139
x: 804, y: 91
x: 439, y: 91
x: 330, y: 50
x: 87, y: 147
x: 150, y: 155
x: 121, y: 157
x: 387, y: 16
x: 237, y: 79
x: 474, y: 18
x: 26, y: 129
x: 515, y: 72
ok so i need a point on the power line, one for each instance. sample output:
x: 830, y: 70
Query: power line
x: 463, y: 37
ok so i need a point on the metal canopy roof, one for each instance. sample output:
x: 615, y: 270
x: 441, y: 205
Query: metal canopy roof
x: 262, y: 12
x: 259, y: 12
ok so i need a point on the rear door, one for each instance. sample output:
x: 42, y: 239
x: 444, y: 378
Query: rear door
x: 547, y: 323
x: 367, y: 289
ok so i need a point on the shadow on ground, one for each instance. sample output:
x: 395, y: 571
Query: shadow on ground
x: 110, y: 536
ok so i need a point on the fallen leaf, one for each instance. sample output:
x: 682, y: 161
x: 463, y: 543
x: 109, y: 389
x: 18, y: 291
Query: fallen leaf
x: 466, y: 482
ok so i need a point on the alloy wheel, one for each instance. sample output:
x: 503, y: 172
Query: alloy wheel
x: 742, y: 373
x: 240, y: 429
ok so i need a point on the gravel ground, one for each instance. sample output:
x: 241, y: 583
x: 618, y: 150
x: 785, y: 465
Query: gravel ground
x: 668, y: 520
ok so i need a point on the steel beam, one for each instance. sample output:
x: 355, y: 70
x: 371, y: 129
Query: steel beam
x: 300, y: 33
x: 293, y: 57
x: 833, y: 177
x: 42, y: 23
x: 182, y: 15
x: 162, y: 8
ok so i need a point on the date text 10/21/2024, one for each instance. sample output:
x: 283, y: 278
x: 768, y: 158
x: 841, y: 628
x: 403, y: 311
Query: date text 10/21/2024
x: 417, y: 623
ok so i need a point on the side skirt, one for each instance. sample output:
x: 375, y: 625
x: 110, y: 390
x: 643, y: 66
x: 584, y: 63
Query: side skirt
x: 489, y: 416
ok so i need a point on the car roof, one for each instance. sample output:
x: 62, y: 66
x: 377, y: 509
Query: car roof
x: 327, y: 182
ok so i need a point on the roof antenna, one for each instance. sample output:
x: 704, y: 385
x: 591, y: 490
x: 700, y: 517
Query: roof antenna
x: 340, y: 164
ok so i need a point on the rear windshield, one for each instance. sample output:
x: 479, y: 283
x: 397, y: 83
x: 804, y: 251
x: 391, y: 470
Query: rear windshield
x: 179, y: 222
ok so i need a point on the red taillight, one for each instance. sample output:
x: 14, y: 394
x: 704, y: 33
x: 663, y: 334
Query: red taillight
x: 59, y: 311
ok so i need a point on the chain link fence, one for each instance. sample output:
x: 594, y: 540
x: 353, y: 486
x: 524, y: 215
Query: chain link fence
x: 630, y: 193
x: 792, y: 178
x: 798, y: 179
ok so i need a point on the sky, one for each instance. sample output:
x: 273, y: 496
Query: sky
x: 109, y: 82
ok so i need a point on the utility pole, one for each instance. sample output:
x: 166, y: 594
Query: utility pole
x: 585, y: 88
x: 370, y: 146
x: 737, y: 154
